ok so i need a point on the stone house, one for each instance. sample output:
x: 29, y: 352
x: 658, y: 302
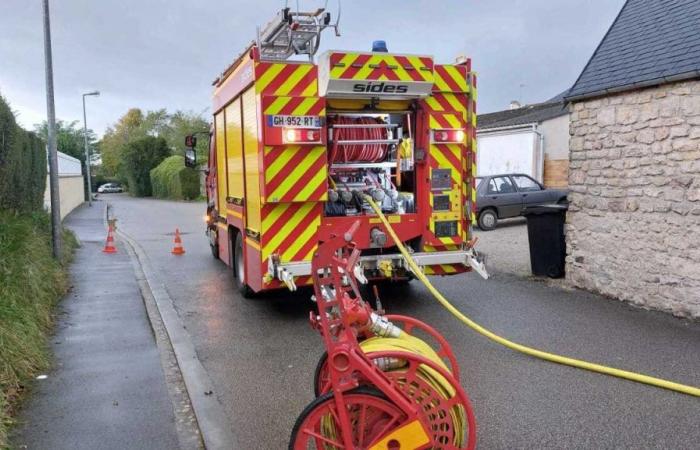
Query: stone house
x: 531, y: 139
x: 633, y: 227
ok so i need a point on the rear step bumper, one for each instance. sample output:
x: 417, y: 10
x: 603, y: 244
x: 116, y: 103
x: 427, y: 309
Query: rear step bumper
x: 286, y: 272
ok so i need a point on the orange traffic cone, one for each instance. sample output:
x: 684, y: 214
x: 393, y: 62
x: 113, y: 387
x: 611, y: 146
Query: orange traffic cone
x: 109, y: 244
x: 178, y: 250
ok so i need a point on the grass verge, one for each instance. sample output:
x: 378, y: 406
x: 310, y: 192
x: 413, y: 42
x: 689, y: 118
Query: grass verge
x: 31, y: 283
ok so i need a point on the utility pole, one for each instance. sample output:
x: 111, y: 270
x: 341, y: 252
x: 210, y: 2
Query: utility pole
x: 87, y: 151
x: 51, y: 121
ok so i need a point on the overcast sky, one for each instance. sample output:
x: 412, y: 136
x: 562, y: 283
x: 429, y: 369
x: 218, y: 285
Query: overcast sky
x: 165, y: 53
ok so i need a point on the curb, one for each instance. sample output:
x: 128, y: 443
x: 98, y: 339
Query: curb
x: 211, y: 418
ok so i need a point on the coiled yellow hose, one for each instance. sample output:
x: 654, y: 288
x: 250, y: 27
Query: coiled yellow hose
x: 443, y: 387
x: 640, y: 378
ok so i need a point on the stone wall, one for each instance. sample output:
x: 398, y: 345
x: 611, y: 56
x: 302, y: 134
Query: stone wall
x: 633, y: 227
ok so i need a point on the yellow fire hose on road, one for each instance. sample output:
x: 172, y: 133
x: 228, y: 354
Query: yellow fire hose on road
x: 640, y: 378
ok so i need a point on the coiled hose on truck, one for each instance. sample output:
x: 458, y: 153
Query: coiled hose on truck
x: 559, y: 359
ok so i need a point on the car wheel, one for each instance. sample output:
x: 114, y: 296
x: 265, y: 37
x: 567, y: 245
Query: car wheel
x: 239, y: 268
x: 488, y: 219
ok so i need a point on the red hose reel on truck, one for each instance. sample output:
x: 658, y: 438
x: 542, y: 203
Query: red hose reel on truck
x: 378, y: 386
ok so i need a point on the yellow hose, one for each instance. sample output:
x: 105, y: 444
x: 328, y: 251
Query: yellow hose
x: 658, y: 382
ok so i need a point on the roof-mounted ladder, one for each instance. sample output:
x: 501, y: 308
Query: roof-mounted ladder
x: 294, y: 33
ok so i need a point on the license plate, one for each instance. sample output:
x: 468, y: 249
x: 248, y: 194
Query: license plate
x: 294, y: 121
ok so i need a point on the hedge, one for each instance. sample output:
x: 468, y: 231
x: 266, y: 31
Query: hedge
x: 171, y: 179
x: 22, y: 165
x: 139, y: 158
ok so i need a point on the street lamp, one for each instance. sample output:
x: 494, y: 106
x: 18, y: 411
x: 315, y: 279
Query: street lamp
x: 87, y: 151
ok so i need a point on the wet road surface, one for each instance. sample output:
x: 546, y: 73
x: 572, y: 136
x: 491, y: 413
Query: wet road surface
x: 261, y: 353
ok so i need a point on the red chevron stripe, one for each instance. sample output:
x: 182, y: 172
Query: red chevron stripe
x: 427, y: 62
x: 307, y: 80
x: 440, y: 119
x: 448, y: 78
x: 291, y: 239
x: 414, y: 74
x: 383, y: 69
x: 350, y: 71
x: 283, y: 219
x: 281, y: 77
x: 317, y: 107
x: 305, y: 249
x: 291, y: 105
x: 305, y: 179
x: 284, y: 173
x: 449, y: 156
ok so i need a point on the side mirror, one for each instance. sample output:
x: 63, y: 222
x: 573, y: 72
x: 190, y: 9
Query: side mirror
x: 190, y: 158
x: 190, y: 154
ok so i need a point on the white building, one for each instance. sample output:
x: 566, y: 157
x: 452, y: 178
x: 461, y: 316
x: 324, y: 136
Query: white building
x: 530, y: 139
x: 70, y: 184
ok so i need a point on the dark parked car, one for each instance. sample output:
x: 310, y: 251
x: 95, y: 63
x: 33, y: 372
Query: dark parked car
x: 503, y: 196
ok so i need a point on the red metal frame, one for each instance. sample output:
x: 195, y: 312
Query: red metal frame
x: 343, y: 318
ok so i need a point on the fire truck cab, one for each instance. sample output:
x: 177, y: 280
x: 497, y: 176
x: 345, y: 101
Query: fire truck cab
x: 297, y: 145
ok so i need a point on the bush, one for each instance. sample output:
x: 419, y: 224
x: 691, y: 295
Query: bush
x: 139, y: 158
x: 31, y: 282
x: 171, y: 179
x: 22, y: 165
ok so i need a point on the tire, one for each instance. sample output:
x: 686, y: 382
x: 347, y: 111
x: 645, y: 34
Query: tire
x: 239, y: 268
x: 488, y: 219
x: 320, y: 372
x: 214, y: 248
x: 362, y: 395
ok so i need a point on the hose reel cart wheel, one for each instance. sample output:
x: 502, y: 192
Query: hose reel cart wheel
x: 369, y: 411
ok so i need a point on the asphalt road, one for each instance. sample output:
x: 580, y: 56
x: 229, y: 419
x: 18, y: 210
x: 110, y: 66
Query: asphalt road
x: 261, y: 353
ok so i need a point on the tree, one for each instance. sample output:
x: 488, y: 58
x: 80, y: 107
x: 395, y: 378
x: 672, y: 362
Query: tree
x: 116, y: 138
x: 138, y: 158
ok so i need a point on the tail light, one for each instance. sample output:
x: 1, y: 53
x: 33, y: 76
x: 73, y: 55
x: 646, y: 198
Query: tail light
x: 449, y: 136
x: 301, y: 135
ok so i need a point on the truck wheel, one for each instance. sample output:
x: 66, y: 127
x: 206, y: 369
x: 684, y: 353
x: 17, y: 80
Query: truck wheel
x: 214, y: 247
x: 239, y: 268
x: 488, y: 219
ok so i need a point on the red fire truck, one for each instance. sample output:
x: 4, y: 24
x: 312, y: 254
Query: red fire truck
x: 296, y: 145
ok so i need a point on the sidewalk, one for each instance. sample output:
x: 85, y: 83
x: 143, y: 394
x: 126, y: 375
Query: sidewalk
x: 107, y: 388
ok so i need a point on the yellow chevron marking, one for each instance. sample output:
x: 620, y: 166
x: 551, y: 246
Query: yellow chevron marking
x: 267, y: 150
x: 276, y: 106
x: 434, y: 104
x: 305, y: 106
x: 417, y: 64
x: 311, y: 90
x: 286, y: 230
x: 294, y: 175
x: 346, y: 61
x: 366, y: 69
x: 272, y: 71
x: 439, y: 82
x: 456, y: 151
x: 274, y: 215
x: 280, y: 161
x: 442, y: 161
x: 302, y: 239
x: 291, y: 82
x: 454, y: 102
x: 453, y: 120
x: 312, y: 185
x: 457, y: 77
x: 448, y: 268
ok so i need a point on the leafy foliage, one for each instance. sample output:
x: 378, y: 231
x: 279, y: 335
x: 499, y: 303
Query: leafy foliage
x: 22, y: 165
x: 138, y: 158
x: 69, y: 138
x: 135, y: 125
x: 31, y: 282
x: 171, y: 179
